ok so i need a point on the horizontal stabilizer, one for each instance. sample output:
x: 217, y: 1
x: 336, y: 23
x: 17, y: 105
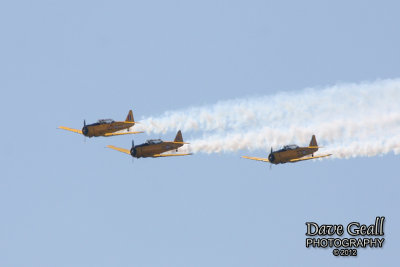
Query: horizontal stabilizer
x: 307, y: 158
x: 113, y: 134
x: 70, y: 129
x: 170, y: 155
x: 254, y: 158
x: 180, y: 143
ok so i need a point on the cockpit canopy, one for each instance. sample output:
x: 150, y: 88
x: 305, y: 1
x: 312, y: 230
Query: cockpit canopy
x: 154, y: 141
x: 105, y: 121
x: 290, y: 147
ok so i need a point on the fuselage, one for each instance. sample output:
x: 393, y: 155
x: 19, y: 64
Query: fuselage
x: 103, y: 127
x: 286, y: 154
x: 149, y: 150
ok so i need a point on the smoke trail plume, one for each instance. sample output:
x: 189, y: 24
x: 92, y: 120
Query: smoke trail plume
x: 349, y: 120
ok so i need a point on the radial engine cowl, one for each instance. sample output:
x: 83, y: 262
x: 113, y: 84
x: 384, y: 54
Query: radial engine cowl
x: 271, y: 157
x: 133, y: 152
x: 85, y: 130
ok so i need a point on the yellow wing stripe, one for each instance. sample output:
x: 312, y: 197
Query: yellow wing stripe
x: 70, y: 129
x: 113, y: 134
x: 123, y: 150
x: 307, y: 158
x: 254, y: 158
x: 170, y: 155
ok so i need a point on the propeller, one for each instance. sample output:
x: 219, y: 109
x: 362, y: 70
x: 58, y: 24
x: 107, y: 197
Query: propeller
x: 133, y: 147
x: 84, y: 129
x: 271, y: 158
x: 84, y: 136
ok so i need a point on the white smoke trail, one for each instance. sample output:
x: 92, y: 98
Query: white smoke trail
x: 348, y: 119
x: 341, y: 139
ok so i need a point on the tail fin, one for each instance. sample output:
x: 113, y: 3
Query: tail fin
x: 129, y: 118
x: 313, y: 142
x: 178, y: 137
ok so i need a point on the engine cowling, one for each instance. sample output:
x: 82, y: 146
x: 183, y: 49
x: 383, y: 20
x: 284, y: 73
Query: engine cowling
x: 85, y: 130
x: 271, y: 158
x: 133, y: 152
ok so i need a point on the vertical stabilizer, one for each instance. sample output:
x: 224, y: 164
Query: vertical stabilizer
x: 313, y: 142
x: 178, y: 137
x: 129, y: 118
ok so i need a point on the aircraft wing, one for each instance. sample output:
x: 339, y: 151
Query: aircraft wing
x: 307, y: 158
x: 170, y: 155
x: 123, y: 150
x: 254, y: 158
x: 70, y: 129
x: 113, y: 134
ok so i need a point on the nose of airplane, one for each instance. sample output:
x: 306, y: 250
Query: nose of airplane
x: 133, y: 152
x: 85, y: 130
x: 271, y: 157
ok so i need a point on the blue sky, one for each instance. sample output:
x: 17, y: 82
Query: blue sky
x: 66, y: 202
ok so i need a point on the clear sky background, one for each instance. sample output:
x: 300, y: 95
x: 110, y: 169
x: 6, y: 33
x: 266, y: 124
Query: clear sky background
x: 66, y: 202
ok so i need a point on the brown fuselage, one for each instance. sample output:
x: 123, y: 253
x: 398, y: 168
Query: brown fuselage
x: 284, y: 156
x: 100, y: 129
x: 149, y: 150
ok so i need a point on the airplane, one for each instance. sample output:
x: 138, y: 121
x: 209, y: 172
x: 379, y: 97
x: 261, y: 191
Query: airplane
x: 105, y: 127
x: 154, y: 147
x: 292, y: 153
